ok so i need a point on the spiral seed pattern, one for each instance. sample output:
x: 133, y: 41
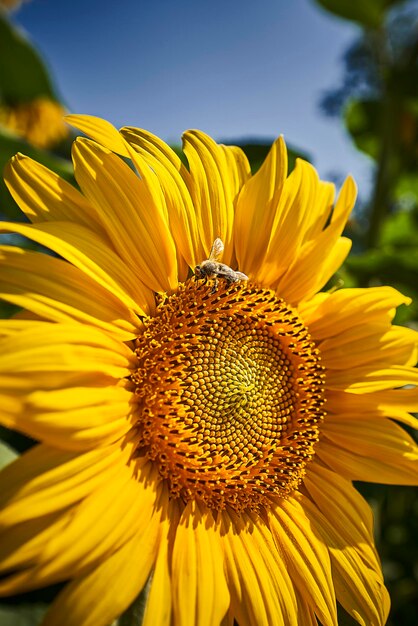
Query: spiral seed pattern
x: 229, y: 393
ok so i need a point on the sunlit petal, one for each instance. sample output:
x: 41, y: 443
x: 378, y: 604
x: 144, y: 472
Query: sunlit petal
x: 195, y: 437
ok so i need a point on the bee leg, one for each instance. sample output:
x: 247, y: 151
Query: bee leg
x: 215, y: 285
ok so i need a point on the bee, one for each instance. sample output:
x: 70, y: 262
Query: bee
x: 211, y: 268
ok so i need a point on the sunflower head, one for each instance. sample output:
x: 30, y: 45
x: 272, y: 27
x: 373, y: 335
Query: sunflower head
x: 201, y: 406
x: 38, y: 121
x: 230, y: 388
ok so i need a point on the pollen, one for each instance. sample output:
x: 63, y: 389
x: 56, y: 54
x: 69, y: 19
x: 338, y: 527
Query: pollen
x: 229, y: 392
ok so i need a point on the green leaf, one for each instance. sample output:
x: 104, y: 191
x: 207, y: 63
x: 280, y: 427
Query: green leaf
x: 366, y: 121
x: 11, y: 145
x: 396, y: 266
x: 369, y: 13
x: 257, y: 151
x: 406, y: 191
x: 400, y: 230
x: 7, y: 454
x: 362, y: 119
x: 22, y: 615
x: 23, y: 75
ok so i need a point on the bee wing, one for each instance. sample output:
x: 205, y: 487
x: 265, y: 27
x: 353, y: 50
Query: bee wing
x: 216, y: 250
x: 224, y: 270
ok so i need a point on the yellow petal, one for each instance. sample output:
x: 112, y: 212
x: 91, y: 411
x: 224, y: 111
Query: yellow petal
x: 105, y: 591
x: 306, y: 614
x: 238, y: 166
x: 45, y: 480
x: 319, y: 258
x: 103, y: 522
x: 290, y: 220
x: 367, y: 379
x: 345, y: 308
x: 158, y: 610
x: 306, y: 558
x: 321, y: 210
x: 345, y: 202
x: 137, y: 228
x: 44, y: 196
x: 65, y: 348
x: 57, y: 291
x: 172, y: 175
x: 308, y: 309
x: 84, y: 535
x: 12, y: 325
x: 21, y: 544
x: 200, y: 592
x: 394, y: 403
x: 373, y: 450
x: 337, y: 499
x: 74, y: 418
x: 255, y: 208
x: 85, y: 250
x: 283, y: 586
x: 358, y: 582
x: 258, y: 584
x: 211, y: 186
x: 101, y: 131
x: 71, y: 359
x: 247, y: 603
x: 361, y: 346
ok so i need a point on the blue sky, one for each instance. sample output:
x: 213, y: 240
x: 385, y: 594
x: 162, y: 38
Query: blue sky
x: 233, y: 68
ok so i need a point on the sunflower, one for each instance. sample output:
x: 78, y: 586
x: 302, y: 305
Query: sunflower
x: 199, y: 432
x: 10, y: 5
x: 39, y: 121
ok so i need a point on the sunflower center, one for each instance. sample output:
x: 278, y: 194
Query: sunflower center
x: 230, y: 395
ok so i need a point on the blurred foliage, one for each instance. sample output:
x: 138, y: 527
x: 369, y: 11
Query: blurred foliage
x: 24, y: 78
x: 23, y: 74
x: 378, y: 104
x: 369, y: 13
x: 257, y: 151
x: 395, y: 511
x: 394, y: 262
x: 22, y: 614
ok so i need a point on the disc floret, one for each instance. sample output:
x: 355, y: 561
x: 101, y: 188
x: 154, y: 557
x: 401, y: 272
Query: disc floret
x: 229, y: 393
